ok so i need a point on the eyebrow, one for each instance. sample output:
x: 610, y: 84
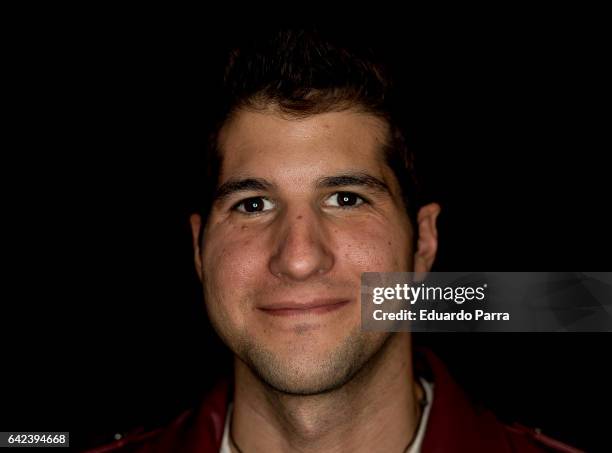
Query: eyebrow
x: 353, y: 179
x: 241, y: 185
x: 259, y: 184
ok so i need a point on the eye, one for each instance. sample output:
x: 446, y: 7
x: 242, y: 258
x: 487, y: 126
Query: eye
x: 344, y: 200
x: 254, y: 205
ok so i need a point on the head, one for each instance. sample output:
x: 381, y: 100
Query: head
x: 312, y: 184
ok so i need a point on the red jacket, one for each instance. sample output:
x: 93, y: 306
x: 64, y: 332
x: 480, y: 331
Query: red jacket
x: 454, y: 425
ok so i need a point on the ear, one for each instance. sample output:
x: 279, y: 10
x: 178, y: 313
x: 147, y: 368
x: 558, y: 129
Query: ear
x: 427, y: 244
x: 196, y: 225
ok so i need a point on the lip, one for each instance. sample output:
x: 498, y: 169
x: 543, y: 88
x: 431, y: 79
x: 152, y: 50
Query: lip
x: 314, y: 307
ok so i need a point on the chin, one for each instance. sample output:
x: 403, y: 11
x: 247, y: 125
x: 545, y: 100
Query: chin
x: 303, y: 378
x: 305, y: 371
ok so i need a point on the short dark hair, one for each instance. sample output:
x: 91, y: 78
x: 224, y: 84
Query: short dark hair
x: 304, y: 72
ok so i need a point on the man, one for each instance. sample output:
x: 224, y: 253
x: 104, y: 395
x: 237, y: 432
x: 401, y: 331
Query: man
x: 312, y: 184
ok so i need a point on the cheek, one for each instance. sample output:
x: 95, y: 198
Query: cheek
x: 375, y: 247
x: 234, y: 258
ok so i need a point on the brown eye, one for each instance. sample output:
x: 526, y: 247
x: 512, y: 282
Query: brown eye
x: 344, y: 200
x: 347, y: 199
x: 254, y: 205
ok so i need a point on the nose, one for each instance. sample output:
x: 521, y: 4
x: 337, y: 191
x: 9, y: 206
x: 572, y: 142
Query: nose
x: 302, y: 248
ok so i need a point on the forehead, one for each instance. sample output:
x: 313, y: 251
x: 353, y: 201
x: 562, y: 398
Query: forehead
x: 266, y: 143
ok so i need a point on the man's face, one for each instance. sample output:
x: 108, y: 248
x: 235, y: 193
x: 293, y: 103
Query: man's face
x: 305, y: 207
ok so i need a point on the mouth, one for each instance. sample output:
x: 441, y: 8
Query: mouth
x: 315, y: 307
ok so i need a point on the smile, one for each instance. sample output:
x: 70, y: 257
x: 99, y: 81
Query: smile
x: 316, y: 307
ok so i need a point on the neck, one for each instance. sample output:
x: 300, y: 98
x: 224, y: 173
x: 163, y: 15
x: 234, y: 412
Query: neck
x: 376, y: 411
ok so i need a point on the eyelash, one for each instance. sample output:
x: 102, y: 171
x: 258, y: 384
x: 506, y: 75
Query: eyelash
x: 361, y: 201
x: 236, y: 207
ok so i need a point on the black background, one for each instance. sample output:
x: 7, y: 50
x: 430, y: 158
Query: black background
x: 109, y: 331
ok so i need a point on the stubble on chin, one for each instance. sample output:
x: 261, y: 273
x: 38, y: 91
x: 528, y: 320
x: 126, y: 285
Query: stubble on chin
x: 305, y: 372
